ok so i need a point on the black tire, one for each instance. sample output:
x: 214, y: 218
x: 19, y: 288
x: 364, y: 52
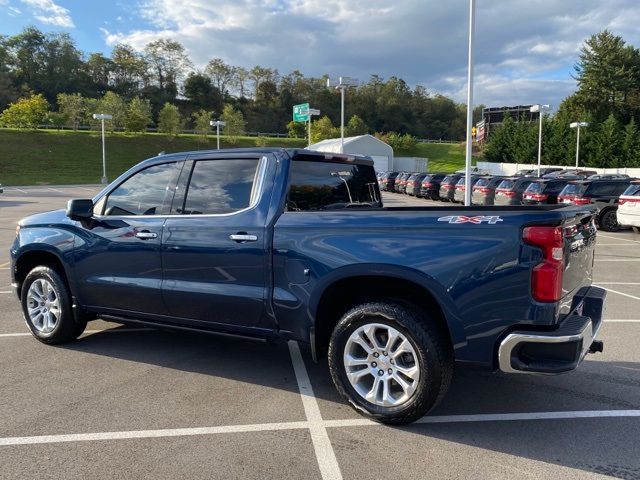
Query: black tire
x: 608, y: 221
x: 66, y: 328
x: 433, y: 352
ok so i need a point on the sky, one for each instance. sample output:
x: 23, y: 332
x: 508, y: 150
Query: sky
x: 525, y: 49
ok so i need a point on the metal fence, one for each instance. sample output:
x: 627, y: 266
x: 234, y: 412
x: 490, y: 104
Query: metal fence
x: 155, y: 130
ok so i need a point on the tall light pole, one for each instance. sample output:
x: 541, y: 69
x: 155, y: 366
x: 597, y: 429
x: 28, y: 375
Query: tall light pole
x: 467, y: 170
x: 540, y: 109
x: 217, y: 124
x: 342, y: 84
x: 578, y: 125
x: 102, y: 117
x: 312, y: 112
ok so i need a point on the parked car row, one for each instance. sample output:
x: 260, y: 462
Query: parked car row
x: 572, y: 186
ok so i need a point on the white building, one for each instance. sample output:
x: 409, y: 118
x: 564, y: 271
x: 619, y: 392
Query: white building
x: 367, y: 145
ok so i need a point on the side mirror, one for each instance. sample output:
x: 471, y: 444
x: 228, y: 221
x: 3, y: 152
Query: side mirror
x: 80, y: 209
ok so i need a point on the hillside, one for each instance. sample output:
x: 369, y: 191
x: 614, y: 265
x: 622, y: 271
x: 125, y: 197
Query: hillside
x: 51, y: 157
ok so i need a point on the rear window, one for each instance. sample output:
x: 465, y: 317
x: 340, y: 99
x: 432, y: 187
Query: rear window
x: 427, y: 178
x: 573, y: 189
x: 535, y: 187
x: 483, y: 182
x: 324, y: 186
x: 633, y: 190
x: 448, y: 179
x: 553, y: 188
x: 506, y: 184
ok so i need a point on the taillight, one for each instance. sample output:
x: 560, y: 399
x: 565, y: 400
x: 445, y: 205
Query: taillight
x: 509, y: 193
x: 427, y: 184
x: 566, y: 197
x: 581, y: 201
x: 459, y: 187
x: 481, y: 189
x: 622, y: 201
x: 447, y: 187
x: 546, y: 277
x: 538, y: 197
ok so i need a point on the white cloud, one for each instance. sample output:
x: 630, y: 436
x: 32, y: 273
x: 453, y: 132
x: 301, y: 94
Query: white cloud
x: 525, y: 49
x: 48, y: 12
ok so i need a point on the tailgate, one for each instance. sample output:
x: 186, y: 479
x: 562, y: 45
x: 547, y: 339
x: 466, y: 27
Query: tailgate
x: 579, y: 249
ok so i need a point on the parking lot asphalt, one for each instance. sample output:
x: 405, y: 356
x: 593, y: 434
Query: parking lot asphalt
x: 139, y: 403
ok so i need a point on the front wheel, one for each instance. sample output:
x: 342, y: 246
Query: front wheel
x: 390, y: 362
x: 46, y: 305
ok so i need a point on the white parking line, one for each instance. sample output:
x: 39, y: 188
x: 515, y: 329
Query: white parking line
x: 617, y: 259
x: 618, y: 283
x: 329, y: 468
x: 170, y: 432
x: 272, y: 427
x: 619, y: 293
x: 618, y: 238
x: 622, y: 320
x: 55, y: 190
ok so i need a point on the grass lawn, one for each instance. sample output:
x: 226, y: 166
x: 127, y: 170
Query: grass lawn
x: 43, y: 157
x: 443, y: 157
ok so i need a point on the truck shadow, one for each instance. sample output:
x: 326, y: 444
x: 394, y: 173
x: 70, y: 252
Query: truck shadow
x: 572, y: 443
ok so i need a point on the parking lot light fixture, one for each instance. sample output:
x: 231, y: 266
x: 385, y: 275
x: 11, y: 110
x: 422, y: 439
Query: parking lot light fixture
x: 578, y: 125
x: 342, y: 83
x: 217, y: 124
x: 538, y: 108
x: 102, y: 117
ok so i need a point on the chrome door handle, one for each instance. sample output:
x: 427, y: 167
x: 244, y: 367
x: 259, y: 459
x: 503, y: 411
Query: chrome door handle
x: 243, y: 237
x: 146, y: 235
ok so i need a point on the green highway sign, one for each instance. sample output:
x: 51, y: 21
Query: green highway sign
x: 301, y: 112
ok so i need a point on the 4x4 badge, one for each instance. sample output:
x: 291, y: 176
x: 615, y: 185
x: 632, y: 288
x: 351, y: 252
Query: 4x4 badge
x: 490, y: 219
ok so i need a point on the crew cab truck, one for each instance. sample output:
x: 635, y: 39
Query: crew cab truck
x: 297, y: 245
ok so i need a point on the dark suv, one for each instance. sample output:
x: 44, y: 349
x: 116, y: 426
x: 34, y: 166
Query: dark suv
x: 448, y: 187
x: 430, y: 187
x: 388, y: 180
x: 510, y: 190
x: 603, y: 194
x: 414, y: 183
x: 484, y: 190
x: 545, y: 191
x: 401, y: 182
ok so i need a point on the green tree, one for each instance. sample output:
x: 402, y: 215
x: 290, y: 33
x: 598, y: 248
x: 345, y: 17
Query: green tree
x: 57, y: 119
x: 498, y: 147
x: 221, y: 74
x: 73, y: 106
x: 356, y: 126
x: 608, y: 75
x: 201, y: 92
x: 169, y: 121
x: 129, y: 70
x: 235, y: 123
x: 114, y: 105
x: 323, y: 129
x: 138, y: 115
x: 168, y: 61
x: 607, y: 145
x: 26, y: 112
x: 631, y: 145
x: 202, y: 125
x: 297, y: 129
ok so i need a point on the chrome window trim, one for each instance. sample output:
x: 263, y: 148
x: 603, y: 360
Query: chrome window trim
x: 261, y: 173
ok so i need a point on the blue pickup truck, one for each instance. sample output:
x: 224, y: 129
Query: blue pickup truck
x: 296, y: 245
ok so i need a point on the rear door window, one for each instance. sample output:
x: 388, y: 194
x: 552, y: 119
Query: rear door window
x: 606, y: 189
x: 220, y: 186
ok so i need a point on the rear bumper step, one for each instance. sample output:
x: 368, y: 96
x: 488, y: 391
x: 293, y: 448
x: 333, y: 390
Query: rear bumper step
x: 560, y: 350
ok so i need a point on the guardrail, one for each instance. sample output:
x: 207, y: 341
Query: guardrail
x: 427, y: 140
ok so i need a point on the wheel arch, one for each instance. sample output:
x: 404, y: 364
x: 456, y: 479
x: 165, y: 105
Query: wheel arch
x: 349, y: 286
x: 44, y: 255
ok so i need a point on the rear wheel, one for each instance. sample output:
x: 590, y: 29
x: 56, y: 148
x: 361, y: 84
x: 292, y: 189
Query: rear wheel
x: 46, y: 305
x: 609, y: 221
x: 390, y: 361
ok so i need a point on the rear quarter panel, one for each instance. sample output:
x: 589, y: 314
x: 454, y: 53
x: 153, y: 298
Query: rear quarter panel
x: 479, y: 273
